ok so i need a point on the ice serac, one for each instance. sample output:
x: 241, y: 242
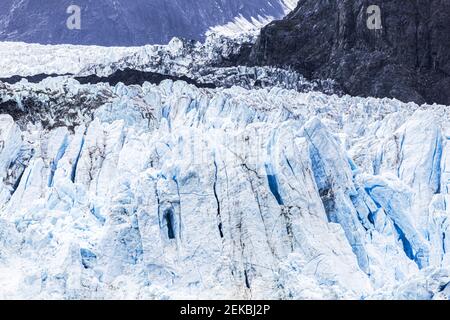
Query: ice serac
x: 11, y: 169
x: 334, y: 180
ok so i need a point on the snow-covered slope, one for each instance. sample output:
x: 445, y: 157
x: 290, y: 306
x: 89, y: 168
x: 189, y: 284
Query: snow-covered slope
x: 171, y: 191
x: 18, y: 58
x: 251, y: 24
x: 178, y: 56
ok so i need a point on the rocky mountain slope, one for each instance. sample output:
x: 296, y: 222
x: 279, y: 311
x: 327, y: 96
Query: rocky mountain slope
x: 125, y: 23
x: 407, y: 59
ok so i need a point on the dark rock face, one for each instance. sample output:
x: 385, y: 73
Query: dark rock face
x: 408, y: 59
x: 124, y: 22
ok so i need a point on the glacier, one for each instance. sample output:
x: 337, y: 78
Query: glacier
x: 169, y: 191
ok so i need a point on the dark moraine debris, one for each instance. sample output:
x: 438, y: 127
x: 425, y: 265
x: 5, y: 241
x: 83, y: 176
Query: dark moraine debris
x: 12, y: 108
x: 32, y: 79
x: 136, y: 77
x: 51, y: 109
x: 126, y: 76
x: 408, y: 59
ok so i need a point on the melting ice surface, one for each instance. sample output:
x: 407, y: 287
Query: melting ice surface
x: 170, y: 191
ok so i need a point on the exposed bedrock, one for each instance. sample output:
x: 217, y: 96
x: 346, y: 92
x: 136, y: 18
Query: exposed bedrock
x: 407, y: 59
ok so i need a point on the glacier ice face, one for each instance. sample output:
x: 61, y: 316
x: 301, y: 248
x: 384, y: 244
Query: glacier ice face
x: 211, y: 63
x: 171, y: 191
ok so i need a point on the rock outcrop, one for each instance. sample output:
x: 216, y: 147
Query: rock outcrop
x: 407, y: 59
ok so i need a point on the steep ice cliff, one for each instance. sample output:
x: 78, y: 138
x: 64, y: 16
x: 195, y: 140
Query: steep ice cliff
x: 171, y: 191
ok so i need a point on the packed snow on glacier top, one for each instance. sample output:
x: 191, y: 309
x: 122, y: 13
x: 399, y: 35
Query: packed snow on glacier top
x: 168, y: 191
